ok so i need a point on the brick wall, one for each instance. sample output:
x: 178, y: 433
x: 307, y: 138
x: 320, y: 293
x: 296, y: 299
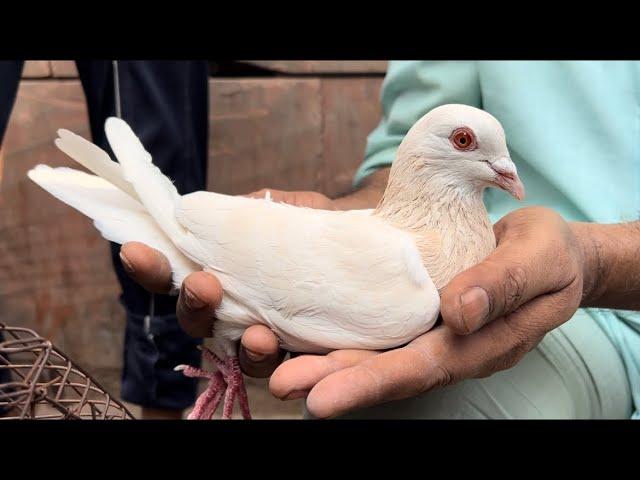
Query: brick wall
x: 289, y: 125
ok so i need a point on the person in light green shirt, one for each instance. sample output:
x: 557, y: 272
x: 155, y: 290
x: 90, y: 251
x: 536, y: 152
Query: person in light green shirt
x: 573, y: 130
x: 554, y: 329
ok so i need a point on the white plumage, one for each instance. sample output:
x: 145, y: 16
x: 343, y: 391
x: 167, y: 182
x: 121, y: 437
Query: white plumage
x: 321, y: 280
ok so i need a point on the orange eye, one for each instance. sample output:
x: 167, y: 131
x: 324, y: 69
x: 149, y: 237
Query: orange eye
x: 463, y: 139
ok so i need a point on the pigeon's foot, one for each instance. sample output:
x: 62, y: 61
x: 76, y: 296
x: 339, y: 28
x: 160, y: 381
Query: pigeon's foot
x: 226, y: 382
x: 230, y: 369
x: 209, y: 400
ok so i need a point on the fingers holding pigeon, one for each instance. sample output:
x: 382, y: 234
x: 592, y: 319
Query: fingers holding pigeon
x: 147, y: 266
x: 260, y: 353
x: 296, y: 377
x: 388, y: 376
x: 200, y: 295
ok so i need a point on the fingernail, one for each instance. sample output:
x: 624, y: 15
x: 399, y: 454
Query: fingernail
x: 254, y: 356
x: 296, y: 394
x: 474, y: 307
x: 126, y: 264
x: 193, y: 302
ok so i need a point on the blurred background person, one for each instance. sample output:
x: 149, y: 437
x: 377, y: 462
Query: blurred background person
x: 166, y: 103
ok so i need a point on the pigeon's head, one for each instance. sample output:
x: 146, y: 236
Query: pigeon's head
x: 462, y: 145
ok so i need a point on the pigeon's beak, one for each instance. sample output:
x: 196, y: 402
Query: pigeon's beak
x: 507, y: 177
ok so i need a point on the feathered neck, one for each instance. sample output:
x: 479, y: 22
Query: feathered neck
x: 446, y: 217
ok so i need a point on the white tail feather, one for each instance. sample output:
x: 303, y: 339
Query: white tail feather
x: 117, y: 216
x: 94, y: 159
x: 155, y: 190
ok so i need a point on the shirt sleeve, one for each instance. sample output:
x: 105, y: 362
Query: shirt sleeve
x: 410, y: 89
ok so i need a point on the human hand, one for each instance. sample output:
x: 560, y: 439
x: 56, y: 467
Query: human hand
x: 201, y: 292
x: 493, y: 314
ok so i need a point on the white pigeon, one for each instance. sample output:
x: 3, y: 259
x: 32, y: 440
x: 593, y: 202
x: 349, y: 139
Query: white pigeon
x: 321, y: 280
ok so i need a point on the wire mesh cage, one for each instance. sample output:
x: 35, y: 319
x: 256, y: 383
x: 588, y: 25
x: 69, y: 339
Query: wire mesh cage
x: 38, y: 381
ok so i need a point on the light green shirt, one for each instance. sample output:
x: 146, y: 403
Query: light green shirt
x: 573, y: 131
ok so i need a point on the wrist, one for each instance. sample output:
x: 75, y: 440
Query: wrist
x: 590, y: 253
x: 611, y: 264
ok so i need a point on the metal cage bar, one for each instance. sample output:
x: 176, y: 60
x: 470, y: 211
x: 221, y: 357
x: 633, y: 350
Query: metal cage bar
x: 45, y: 384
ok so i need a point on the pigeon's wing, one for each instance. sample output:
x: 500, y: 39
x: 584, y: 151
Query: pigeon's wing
x: 321, y: 280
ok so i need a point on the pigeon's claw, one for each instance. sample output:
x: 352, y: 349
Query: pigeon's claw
x: 227, y: 381
x: 208, y: 402
x: 193, y: 372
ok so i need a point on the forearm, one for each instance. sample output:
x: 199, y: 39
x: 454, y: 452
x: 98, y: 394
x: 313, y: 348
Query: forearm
x: 611, y: 264
x: 368, y: 195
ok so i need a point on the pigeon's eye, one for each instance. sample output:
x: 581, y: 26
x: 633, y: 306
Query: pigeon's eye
x: 463, y: 139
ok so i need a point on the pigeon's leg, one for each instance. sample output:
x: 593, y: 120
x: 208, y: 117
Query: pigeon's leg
x: 235, y: 387
x: 230, y: 368
x: 210, y: 406
x: 209, y: 400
